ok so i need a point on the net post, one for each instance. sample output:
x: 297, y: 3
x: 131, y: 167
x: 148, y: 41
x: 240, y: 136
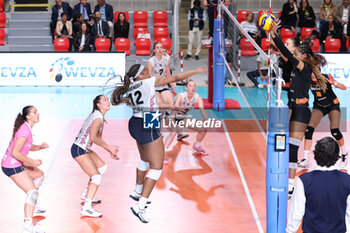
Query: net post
x: 219, y: 64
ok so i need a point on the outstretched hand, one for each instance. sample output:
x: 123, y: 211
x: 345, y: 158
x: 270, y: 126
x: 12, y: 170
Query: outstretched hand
x: 274, y: 27
x: 202, y: 69
x: 330, y: 79
x: 114, y: 152
x: 44, y: 145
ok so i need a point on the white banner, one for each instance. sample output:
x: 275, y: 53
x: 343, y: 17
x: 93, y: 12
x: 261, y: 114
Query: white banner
x: 338, y: 66
x: 60, y: 69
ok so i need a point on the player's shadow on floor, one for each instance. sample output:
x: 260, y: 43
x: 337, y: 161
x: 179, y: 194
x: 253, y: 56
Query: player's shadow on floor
x: 183, y: 182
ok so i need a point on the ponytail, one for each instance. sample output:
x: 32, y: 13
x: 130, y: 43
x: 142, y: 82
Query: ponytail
x: 118, y: 94
x: 21, y: 118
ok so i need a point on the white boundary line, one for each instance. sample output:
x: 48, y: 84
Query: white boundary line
x: 244, y: 183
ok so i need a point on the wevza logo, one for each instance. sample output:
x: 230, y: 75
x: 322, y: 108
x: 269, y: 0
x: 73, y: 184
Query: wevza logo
x: 338, y: 72
x: 17, y: 72
x: 67, y: 67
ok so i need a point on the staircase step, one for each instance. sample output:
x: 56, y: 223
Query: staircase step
x: 29, y: 23
x: 29, y: 40
x: 30, y: 15
x: 32, y: 48
x: 29, y: 31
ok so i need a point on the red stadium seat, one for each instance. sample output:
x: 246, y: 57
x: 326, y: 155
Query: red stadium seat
x: 143, y: 46
x: 160, y: 32
x: 315, y: 45
x: 332, y: 45
x: 265, y: 44
x: 347, y: 44
x: 139, y: 30
x: 166, y: 42
x: 1, y: 5
x: 287, y: 33
x: 241, y: 15
x: 2, y: 20
x: 116, y: 14
x: 122, y: 45
x: 305, y: 32
x: 140, y: 18
x: 160, y: 19
x: 2, y: 37
x: 102, y: 44
x: 61, y: 45
x: 279, y: 14
x: 247, y: 49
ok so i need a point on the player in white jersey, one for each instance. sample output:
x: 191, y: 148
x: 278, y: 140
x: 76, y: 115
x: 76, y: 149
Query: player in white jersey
x: 138, y: 90
x: 159, y: 66
x: 89, y: 161
x: 186, y: 100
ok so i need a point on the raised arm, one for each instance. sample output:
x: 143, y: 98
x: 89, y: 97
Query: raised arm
x: 161, y: 81
x: 332, y: 81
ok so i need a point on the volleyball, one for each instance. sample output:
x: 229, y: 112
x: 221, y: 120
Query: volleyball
x: 265, y: 21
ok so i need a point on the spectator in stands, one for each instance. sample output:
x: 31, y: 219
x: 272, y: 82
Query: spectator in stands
x: 289, y: 15
x: 326, y: 9
x: 83, y: 39
x: 196, y: 18
x: 306, y: 15
x: 57, y: 10
x: 100, y: 29
x: 331, y: 29
x: 64, y: 29
x: 342, y: 15
x: 77, y: 21
x: 321, y: 197
x: 251, y: 28
x: 84, y: 9
x: 121, y: 27
x: 107, y: 15
x: 211, y: 9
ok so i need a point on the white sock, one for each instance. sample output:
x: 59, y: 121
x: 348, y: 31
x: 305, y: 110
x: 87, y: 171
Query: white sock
x: 87, y: 204
x: 343, y: 150
x: 142, y: 202
x: 28, y: 221
x: 197, y: 144
x: 306, y: 154
x: 290, y: 184
x: 138, y: 188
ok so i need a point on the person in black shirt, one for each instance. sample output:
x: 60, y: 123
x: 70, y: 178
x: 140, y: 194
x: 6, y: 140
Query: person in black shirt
x: 324, y: 103
x: 306, y: 15
x: 305, y: 62
x: 289, y: 14
x: 121, y: 27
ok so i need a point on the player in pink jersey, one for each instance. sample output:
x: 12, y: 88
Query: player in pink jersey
x: 89, y: 161
x: 21, y: 169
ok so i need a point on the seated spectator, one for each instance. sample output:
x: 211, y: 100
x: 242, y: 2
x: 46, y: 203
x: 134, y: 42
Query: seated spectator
x: 249, y: 26
x: 121, y: 27
x: 57, y: 10
x: 64, y: 29
x: 327, y: 8
x: 289, y: 15
x: 331, y: 29
x: 306, y: 15
x: 321, y: 197
x: 100, y: 28
x: 83, y: 39
x: 342, y: 15
x: 262, y: 70
x: 84, y: 9
x: 107, y: 15
x: 77, y: 21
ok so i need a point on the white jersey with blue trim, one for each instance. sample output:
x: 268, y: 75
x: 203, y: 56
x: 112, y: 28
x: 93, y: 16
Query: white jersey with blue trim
x: 83, y: 138
x: 186, y: 103
x: 159, y: 68
x: 142, y: 95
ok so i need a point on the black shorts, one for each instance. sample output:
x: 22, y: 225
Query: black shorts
x: 77, y: 151
x: 300, y: 114
x: 141, y: 135
x: 12, y: 171
x: 165, y: 89
x: 326, y: 110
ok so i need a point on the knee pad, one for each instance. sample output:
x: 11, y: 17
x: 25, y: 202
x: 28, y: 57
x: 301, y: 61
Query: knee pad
x: 102, y: 169
x: 96, y: 179
x: 142, y: 165
x: 293, y: 150
x: 154, y: 174
x: 336, y: 134
x: 309, y: 132
x: 38, y: 181
x: 32, y: 197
